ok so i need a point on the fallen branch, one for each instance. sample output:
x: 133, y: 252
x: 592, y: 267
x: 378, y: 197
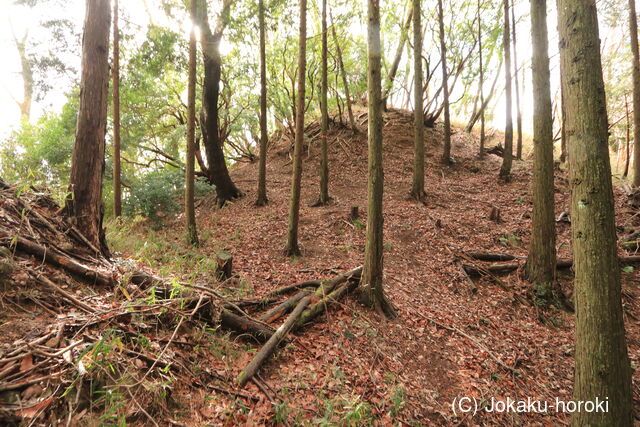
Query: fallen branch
x: 505, y: 268
x: 320, y: 307
x: 489, y: 256
x: 244, y: 324
x: 284, y: 307
x: 57, y: 289
x: 295, y: 287
x: 272, y: 343
x: 56, y: 258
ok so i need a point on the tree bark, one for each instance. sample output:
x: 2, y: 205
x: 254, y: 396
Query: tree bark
x: 417, y: 186
x: 505, y: 169
x: 264, y: 138
x: 602, y: 368
x: 323, y: 199
x: 371, y: 282
x: 516, y: 81
x: 393, y: 70
x: 189, y: 199
x: 628, y: 139
x: 117, y: 185
x: 446, y: 153
x: 343, y: 73
x: 481, y: 84
x: 292, y: 248
x: 219, y: 176
x: 633, y: 34
x: 84, y: 202
x: 541, y: 262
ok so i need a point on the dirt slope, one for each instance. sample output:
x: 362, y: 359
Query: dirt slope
x: 409, y: 363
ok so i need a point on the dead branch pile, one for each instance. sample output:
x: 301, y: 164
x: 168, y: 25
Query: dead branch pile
x: 124, y: 334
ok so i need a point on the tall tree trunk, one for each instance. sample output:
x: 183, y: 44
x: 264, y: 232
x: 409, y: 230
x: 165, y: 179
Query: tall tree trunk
x: 563, y: 124
x: 393, y: 70
x: 27, y: 75
x: 323, y: 199
x: 219, y: 176
x: 482, y: 123
x: 371, y: 288
x: 189, y: 202
x: 633, y: 34
x: 628, y: 138
x: 343, y: 73
x: 84, y: 203
x: 479, y: 113
x: 517, y: 85
x: 117, y: 185
x: 417, y: 186
x: 505, y: 169
x: 264, y: 138
x: 541, y: 262
x: 292, y: 248
x: 602, y: 368
x: 446, y: 153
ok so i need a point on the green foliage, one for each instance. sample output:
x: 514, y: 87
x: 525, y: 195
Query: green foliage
x: 40, y: 153
x: 155, y: 194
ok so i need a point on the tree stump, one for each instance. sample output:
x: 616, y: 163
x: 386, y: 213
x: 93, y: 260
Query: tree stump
x: 225, y: 265
x: 494, y: 215
x: 355, y: 213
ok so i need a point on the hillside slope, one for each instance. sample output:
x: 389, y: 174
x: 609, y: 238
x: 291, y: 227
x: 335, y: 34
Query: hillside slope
x: 356, y: 355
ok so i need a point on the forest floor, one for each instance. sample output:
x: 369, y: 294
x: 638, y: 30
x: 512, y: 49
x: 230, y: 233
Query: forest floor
x: 452, y: 338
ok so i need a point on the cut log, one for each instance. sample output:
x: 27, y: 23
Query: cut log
x: 329, y: 285
x: 295, y: 287
x: 505, y: 268
x: 284, y: 307
x: 320, y: 307
x: 633, y: 245
x: 54, y: 257
x: 270, y: 346
x: 225, y: 265
x: 474, y: 271
x: 244, y: 324
x: 488, y: 256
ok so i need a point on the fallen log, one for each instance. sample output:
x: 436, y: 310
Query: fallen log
x: 284, y: 307
x: 488, y: 256
x: 245, y: 324
x: 320, y: 307
x: 329, y: 285
x: 295, y: 287
x: 54, y: 257
x: 505, y: 268
x: 270, y: 346
x: 55, y: 288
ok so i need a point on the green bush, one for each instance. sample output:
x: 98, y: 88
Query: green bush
x: 156, y: 194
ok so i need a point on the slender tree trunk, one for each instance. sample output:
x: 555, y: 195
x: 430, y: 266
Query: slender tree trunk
x: 343, y: 73
x: 323, y: 199
x: 87, y: 164
x: 264, y: 138
x: 393, y: 70
x: 27, y: 76
x: 541, y: 262
x: 446, y: 154
x: 482, y: 123
x: 602, y: 367
x: 371, y: 288
x: 517, y: 85
x: 226, y: 190
x: 633, y: 30
x: 563, y: 127
x: 417, y: 186
x: 628, y: 138
x: 478, y: 114
x: 292, y: 248
x: 505, y: 169
x: 117, y: 185
x: 189, y: 199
